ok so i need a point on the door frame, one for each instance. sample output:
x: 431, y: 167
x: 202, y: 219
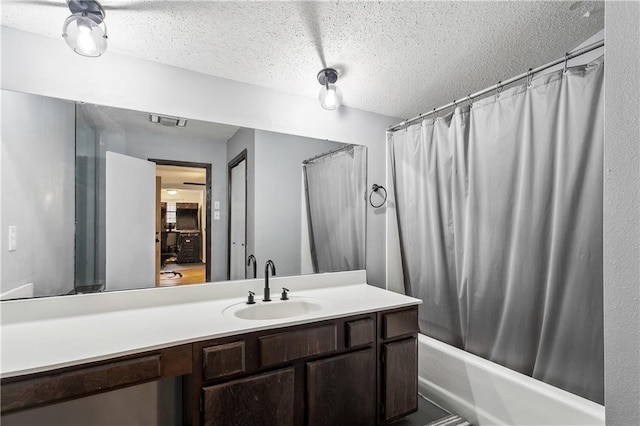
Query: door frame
x: 208, y: 185
x: 236, y: 160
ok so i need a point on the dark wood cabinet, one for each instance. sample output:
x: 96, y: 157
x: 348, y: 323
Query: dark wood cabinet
x: 341, y: 390
x: 265, y: 399
x: 400, y: 374
x: 355, y: 370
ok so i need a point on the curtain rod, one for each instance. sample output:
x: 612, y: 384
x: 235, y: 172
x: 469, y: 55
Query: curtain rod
x: 501, y: 84
x: 326, y: 154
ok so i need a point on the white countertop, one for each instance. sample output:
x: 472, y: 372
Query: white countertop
x: 49, y: 339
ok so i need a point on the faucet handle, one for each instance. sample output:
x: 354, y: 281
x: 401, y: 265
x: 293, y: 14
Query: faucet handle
x: 250, y: 300
x: 284, y: 296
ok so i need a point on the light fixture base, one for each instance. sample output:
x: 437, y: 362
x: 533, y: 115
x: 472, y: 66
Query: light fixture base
x: 327, y: 76
x: 87, y: 7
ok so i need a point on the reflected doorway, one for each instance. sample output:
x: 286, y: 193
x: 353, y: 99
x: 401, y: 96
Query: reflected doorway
x: 183, y: 223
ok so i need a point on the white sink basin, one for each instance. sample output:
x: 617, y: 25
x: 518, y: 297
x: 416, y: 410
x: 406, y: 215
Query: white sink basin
x: 276, y: 309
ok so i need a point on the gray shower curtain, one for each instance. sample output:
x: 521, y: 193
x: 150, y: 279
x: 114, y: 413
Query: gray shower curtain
x: 499, y: 209
x: 335, y: 186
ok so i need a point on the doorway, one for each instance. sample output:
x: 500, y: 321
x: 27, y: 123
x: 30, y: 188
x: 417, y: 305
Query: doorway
x: 237, y: 250
x: 183, y: 223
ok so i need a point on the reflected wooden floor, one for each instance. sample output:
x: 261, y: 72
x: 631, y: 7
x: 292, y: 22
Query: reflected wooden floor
x: 191, y: 274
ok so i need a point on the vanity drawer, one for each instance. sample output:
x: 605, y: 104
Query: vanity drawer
x: 400, y: 323
x: 360, y: 332
x: 78, y: 383
x: 283, y: 347
x: 223, y: 360
x: 23, y: 392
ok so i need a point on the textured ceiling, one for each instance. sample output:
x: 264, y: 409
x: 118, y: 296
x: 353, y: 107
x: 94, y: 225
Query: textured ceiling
x: 394, y: 58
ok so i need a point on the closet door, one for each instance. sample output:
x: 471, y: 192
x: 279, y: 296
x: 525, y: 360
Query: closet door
x: 238, y: 221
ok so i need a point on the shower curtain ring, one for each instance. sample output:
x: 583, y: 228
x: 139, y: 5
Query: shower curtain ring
x: 566, y: 60
x: 529, y: 77
x: 469, y: 100
x: 498, y: 89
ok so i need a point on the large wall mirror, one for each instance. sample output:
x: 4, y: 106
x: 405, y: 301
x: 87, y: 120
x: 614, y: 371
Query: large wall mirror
x: 97, y: 198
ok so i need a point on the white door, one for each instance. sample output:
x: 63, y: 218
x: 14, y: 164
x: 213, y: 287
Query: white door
x: 130, y: 222
x: 237, y: 249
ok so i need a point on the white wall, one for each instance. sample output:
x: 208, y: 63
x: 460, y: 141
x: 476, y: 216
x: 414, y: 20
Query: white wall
x: 38, y: 193
x: 278, y: 229
x: 622, y: 214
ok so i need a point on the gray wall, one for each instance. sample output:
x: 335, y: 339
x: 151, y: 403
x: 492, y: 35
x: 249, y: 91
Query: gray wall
x: 145, y: 146
x: 278, y: 197
x: 622, y: 214
x: 38, y: 160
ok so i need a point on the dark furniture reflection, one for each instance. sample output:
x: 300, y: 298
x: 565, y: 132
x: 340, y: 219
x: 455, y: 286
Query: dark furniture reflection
x: 189, y: 247
x: 169, y: 249
x: 187, y: 217
x: 184, y: 244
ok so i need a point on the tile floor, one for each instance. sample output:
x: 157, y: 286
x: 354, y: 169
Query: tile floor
x: 427, y: 413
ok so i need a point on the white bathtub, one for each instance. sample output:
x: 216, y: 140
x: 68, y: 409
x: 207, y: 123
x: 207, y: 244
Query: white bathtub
x: 486, y: 393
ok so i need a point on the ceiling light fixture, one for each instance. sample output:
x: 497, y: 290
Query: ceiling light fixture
x: 172, y: 191
x: 330, y: 95
x: 85, y: 31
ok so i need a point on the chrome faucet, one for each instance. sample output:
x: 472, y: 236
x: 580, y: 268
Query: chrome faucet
x: 252, y: 260
x: 269, y: 263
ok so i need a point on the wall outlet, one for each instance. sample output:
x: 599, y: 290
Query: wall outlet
x: 216, y: 215
x: 13, y: 239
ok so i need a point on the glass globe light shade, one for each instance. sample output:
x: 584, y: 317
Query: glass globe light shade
x: 86, y: 35
x: 330, y: 97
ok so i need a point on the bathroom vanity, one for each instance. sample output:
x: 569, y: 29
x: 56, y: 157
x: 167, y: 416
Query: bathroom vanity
x: 337, y: 352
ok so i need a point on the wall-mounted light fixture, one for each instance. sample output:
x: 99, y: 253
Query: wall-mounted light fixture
x: 166, y: 120
x: 85, y: 31
x: 330, y: 95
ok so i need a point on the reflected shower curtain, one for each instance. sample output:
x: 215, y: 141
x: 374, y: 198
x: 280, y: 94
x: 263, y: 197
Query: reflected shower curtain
x: 335, y: 193
x: 499, y: 210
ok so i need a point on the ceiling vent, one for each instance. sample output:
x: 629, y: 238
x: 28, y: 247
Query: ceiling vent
x: 166, y: 120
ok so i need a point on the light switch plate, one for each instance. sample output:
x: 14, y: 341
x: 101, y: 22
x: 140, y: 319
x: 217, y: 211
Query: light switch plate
x: 13, y: 239
x: 216, y: 205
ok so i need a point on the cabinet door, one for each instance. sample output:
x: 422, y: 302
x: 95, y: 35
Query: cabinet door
x: 342, y: 390
x: 400, y: 378
x: 263, y: 399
